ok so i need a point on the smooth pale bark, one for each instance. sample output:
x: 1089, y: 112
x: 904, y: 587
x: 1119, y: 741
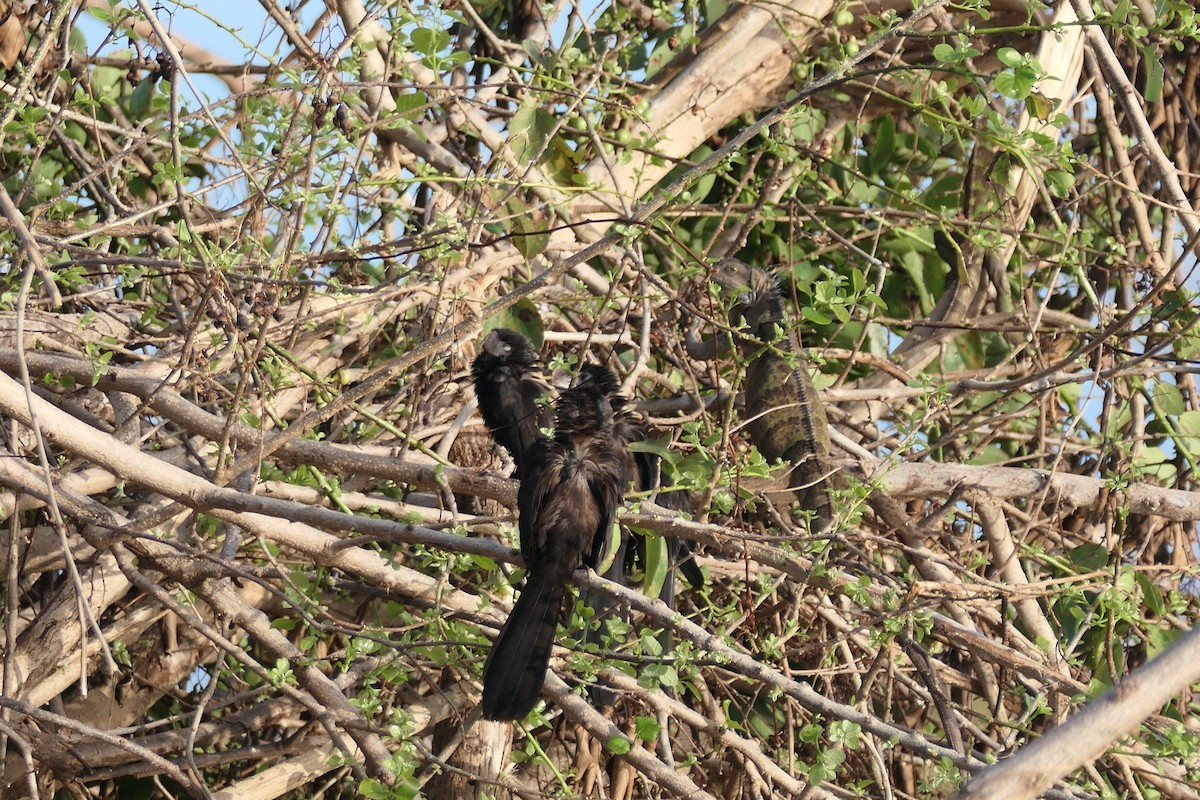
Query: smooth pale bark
x: 1083, y: 737
x: 744, y: 63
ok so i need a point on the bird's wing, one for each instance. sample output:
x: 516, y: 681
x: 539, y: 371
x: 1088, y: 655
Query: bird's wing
x: 543, y: 473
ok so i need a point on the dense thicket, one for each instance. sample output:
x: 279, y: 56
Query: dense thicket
x: 258, y: 541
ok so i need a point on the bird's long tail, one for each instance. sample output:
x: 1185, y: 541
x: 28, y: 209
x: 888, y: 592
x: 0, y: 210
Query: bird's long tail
x: 516, y: 666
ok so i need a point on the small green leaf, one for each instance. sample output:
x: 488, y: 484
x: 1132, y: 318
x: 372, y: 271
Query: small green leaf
x: 1010, y: 57
x: 884, y: 145
x: 139, y: 102
x: 700, y: 189
x: 1155, y: 461
x: 811, y: 733
x: 992, y: 454
x: 1168, y: 398
x: 613, y: 549
x: 660, y: 447
x: 1154, y: 75
x: 530, y: 236
x: 1189, y: 424
x: 1159, y: 638
x: 528, y: 129
x: 619, y: 745
x: 1089, y: 556
x: 1059, y: 182
x: 1151, y: 594
x: 1039, y: 106
x: 947, y: 54
x: 373, y: 789
x: 1006, y: 84
x: 647, y: 728
x: 813, y: 315
x: 523, y: 317
x: 429, y: 41
x: 411, y: 103
x: 655, y: 561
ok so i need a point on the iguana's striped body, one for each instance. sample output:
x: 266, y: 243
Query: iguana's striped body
x: 785, y: 418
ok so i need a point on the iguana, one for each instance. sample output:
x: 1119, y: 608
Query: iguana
x: 784, y: 417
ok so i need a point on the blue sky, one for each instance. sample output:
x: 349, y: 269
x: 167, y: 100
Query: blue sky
x: 243, y: 28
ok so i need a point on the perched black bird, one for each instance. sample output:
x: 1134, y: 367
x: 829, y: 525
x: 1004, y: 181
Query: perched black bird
x: 642, y: 470
x: 626, y: 427
x: 571, y: 486
x: 510, y: 388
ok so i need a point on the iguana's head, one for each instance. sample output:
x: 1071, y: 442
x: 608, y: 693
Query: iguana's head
x: 755, y: 293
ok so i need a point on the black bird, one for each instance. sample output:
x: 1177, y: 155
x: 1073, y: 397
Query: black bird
x: 643, y: 471
x: 511, y: 392
x: 570, y: 489
x: 626, y: 428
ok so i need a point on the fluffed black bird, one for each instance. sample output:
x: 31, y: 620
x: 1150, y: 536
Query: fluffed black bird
x: 570, y: 489
x: 511, y: 391
x: 642, y: 470
x: 624, y: 429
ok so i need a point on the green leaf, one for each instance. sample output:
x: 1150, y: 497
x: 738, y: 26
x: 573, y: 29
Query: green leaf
x: 373, y: 789
x: 1154, y: 75
x: 700, y: 189
x: 619, y: 745
x: 884, y: 146
x: 613, y: 549
x: 656, y: 564
x: 992, y: 454
x: 1159, y: 638
x: 845, y: 733
x: 659, y: 446
x: 528, y: 130
x: 1059, y: 182
x: 813, y: 315
x: 1089, y: 556
x: 139, y: 102
x: 1168, y: 398
x: 410, y: 102
x: 1006, y: 84
x: 530, y: 235
x: 1039, y: 106
x: 522, y: 317
x: 1070, y: 394
x: 1154, y: 461
x: 1010, y: 57
x: 1189, y: 424
x: 947, y: 54
x: 429, y: 41
x: 1151, y: 594
x: 647, y: 728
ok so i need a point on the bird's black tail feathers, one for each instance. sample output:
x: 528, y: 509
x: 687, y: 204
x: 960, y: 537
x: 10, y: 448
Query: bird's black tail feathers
x: 516, y: 666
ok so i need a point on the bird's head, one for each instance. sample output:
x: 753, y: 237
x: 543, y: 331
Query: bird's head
x: 599, y: 376
x: 582, y: 409
x: 509, y: 346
